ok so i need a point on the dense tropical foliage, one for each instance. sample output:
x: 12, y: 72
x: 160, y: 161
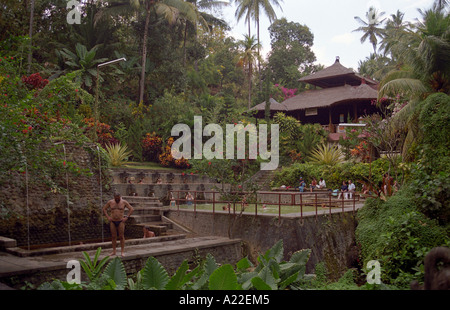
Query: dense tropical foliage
x: 179, y: 60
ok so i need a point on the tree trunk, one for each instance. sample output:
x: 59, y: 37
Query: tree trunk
x: 30, y: 52
x: 249, y: 84
x: 259, y: 56
x: 184, y: 44
x: 144, y: 56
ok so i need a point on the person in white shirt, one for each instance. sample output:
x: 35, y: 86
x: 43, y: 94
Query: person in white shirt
x: 322, y: 183
x: 351, y: 188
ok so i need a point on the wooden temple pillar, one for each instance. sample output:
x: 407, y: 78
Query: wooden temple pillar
x: 330, y: 125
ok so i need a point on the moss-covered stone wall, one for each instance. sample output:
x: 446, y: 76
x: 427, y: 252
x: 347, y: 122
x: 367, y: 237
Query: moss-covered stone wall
x: 38, y: 212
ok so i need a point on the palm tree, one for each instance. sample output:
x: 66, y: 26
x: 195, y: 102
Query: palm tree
x: 244, y: 7
x: 424, y: 69
x: 30, y: 34
x: 204, y: 19
x: 441, y: 4
x: 394, y: 30
x: 248, y: 58
x: 425, y: 58
x: 169, y: 10
x: 253, y: 8
x: 371, y: 28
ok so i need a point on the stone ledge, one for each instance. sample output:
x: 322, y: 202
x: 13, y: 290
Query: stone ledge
x: 7, y: 243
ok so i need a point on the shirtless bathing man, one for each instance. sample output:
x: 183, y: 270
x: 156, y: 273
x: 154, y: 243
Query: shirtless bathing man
x: 117, y: 220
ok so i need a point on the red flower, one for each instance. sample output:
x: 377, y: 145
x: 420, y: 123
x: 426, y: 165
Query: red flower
x: 209, y: 163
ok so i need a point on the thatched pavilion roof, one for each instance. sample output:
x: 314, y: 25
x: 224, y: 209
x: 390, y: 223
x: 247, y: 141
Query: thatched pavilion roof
x: 337, y: 84
x: 329, y: 96
x: 274, y: 106
x: 336, y: 75
x: 322, y: 98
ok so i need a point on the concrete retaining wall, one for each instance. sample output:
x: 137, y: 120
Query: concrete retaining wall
x: 330, y: 237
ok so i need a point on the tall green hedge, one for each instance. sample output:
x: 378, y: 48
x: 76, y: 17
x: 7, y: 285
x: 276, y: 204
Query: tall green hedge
x: 398, y: 235
x: 333, y: 175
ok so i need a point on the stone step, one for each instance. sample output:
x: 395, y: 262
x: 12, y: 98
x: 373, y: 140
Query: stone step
x: 159, y: 228
x: 20, y: 252
x: 148, y: 205
x: 170, y: 251
x: 143, y: 210
x: 140, y: 199
x: 139, y: 219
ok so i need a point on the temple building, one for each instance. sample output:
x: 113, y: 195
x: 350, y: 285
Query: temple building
x: 338, y: 95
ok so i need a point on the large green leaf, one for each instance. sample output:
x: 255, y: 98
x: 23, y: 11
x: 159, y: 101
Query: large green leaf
x: 246, y: 278
x: 115, y: 270
x: 292, y: 278
x: 223, y: 278
x: 300, y: 257
x: 244, y: 264
x: 268, y: 277
x: 154, y: 276
x: 275, y: 253
x: 259, y: 284
x: 179, y: 278
x: 208, y: 268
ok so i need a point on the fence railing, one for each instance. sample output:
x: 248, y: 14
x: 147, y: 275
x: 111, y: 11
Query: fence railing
x: 322, y: 199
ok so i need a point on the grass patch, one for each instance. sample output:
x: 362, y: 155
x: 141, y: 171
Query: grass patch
x: 269, y: 209
x: 149, y: 166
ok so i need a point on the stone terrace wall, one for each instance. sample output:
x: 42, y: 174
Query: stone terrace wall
x: 331, y: 238
x: 48, y: 220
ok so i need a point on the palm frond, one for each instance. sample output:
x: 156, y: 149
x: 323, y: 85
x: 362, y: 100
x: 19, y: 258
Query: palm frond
x: 407, y: 86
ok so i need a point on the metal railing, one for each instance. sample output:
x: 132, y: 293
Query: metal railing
x: 324, y: 199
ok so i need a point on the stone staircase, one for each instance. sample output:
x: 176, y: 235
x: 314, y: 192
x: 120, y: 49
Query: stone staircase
x: 262, y: 179
x: 149, y: 212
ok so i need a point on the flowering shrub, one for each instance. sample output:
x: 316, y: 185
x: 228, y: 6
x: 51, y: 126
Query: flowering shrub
x: 182, y: 163
x: 166, y: 158
x: 151, y: 147
x: 105, y: 135
x: 350, y: 142
x: 361, y: 151
x: 286, y: 92
x: 295, y: 156
x: 34, y: 81
x: 31, y: 124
